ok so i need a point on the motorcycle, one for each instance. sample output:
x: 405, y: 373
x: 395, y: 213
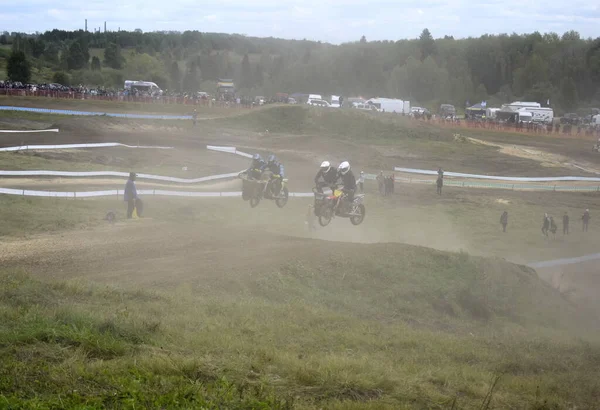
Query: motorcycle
x: 330, y: 205
x: 257, y: 185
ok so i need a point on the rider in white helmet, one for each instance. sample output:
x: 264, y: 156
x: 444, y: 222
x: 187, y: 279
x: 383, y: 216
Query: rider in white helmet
x: 348, y: 181
x: 326, y: 177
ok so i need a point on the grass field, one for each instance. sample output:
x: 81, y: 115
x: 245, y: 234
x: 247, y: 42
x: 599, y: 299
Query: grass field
x: 316, y: 336
x: 207, y: 303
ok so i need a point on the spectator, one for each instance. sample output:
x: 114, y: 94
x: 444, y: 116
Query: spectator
x: 504, y: 220
x: 440, y: 184
x: 381, y: 183
x: 546, y: 224
x: 565, y: 224
x: 361, y: 181
x: 586, y: 220
x: 130, y: 194
x: 553, y: 227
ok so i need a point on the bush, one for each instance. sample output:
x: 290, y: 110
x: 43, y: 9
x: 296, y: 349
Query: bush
x: 61, y: 77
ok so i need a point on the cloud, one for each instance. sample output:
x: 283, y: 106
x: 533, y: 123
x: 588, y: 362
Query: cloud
x: 332, y: 20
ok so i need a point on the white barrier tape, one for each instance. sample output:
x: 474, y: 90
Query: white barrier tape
x: 29, y: 131
x: 565, y: 261
x: 119, y: 192
x: 229, y: 150
x: 115, y: 174
x: 500, y: 178
x: 71, y: 146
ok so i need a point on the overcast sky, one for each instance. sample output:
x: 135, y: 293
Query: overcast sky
x: 332, y: 21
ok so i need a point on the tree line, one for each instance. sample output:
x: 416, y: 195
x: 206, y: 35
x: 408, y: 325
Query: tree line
x: 563, y: 69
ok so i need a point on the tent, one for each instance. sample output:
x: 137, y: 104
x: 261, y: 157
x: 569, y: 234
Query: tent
x: 475, y: 111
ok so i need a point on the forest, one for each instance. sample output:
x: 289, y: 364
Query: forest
x: 562, y: 69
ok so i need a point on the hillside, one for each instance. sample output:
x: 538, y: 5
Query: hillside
x: 377, y: 326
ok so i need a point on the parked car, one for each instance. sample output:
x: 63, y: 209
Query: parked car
x: 570, y: 118
x: 363, y: 106
x: 319, y: 103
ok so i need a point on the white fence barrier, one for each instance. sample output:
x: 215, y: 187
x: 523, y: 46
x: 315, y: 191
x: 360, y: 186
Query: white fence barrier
x: 76, y: 146
x: 29, y: 131
x: 229, y: 150
x: 564, y: 261
x: 500, y: 178
x: 142, y: 192
x: 114, y: 174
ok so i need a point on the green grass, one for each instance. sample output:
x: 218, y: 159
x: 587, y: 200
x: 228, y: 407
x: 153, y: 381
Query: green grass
x: 416, y: 331
x: 23, y: 216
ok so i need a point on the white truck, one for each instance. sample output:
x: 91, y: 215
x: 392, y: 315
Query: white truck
x: 524, y: 116
x: 543, y: 115
x: 390, y: 105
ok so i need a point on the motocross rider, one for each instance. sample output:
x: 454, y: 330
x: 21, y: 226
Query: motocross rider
x: 348, y: 184
x: 256, y: 167
x: 326, y: 177
x: 276, y: 169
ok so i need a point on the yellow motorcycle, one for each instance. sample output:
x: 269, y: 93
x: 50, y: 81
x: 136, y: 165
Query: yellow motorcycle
x: 328, y: 206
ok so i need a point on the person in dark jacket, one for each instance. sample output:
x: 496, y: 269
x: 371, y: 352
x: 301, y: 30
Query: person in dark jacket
x: 586, y: 220
x: 130, y: 194
x: 546, y: 224
x: 381, y: 183
x: 326, y: 177
x: 553, y: 227
x: 276, y: 168
x: 256, y: 167
x: 439, y: 183
x: 504, y: 220
x: 565, y: 224
x: 348, y: 184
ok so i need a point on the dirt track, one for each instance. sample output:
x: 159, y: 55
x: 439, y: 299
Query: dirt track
x: 156, y: 252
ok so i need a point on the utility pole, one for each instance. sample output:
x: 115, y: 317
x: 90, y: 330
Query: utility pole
x: 105, y: 27
x: 86, y: 25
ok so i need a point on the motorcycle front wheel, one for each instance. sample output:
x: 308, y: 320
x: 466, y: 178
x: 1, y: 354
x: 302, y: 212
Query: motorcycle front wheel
x: 254, y: 201
x: 325, y: 216
x: 282, y: 199
x: 360, y: 211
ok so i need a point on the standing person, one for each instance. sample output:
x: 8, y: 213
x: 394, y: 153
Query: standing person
x: 388, y: 188
x: 130, y: 194
x: 586, y: 220
x: 565, y: 224
x: 381, y: 183
x: 440, y: 184
x: 504, y: 220
x: 545, y: 224
x: 195, y: 117
x: 361, y: 181
x: 553, y: 227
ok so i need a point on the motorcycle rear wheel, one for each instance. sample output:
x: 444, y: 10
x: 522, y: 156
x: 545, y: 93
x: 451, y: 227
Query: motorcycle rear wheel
x: 357, y: 219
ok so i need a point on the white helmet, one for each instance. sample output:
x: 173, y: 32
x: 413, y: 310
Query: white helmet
x: 344, y: 168
x: 325, y: 166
